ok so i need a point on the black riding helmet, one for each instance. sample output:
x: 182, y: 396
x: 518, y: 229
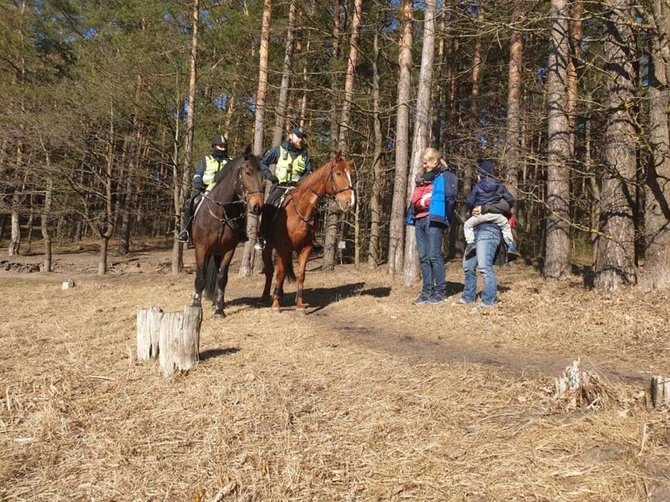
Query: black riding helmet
x: 219, y: 140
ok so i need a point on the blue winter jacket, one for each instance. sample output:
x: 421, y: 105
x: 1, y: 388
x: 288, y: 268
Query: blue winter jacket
x: 443, y: 199
x: 488, y: 190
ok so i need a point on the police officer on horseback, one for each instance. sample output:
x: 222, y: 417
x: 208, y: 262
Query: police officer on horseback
x: 205, y: 172
x: 292, y: 161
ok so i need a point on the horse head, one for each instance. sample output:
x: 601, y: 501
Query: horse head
x: 341, y: 186
x: 251, y: 180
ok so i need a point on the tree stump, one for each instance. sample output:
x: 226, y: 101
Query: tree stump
x: 148, y: 326
x: 660, y: 391
x: 179, y: 340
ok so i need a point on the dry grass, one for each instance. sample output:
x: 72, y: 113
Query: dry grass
x: 366, y: 398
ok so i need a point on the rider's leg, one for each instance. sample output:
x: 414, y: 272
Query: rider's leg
x: 187, y: 218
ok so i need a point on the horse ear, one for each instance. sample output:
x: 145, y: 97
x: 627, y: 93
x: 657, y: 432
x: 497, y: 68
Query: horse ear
x: 338, y: 156
x: 247, y: 151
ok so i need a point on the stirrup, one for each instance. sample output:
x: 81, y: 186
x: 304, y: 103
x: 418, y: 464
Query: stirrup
x: 184, y: 236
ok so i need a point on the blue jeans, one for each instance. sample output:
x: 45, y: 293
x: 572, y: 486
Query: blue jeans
x: 487, y: 239
x: 431, y: 262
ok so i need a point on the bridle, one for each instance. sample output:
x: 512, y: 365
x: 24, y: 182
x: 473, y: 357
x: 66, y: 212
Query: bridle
x: 243, y: 198
x: 330, y: 195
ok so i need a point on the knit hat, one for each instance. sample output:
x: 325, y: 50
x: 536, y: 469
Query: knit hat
x: 487, y: 168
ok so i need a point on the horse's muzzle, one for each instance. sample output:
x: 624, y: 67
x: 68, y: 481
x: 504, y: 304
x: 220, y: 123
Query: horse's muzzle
x: 256, y: 208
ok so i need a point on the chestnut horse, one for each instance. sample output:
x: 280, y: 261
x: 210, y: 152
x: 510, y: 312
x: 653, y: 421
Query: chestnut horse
x: 295, y: 222
x: 220, y: 222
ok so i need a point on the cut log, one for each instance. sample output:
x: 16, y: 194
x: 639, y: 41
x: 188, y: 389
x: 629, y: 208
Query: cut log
x: 660, y: 391
x: 179, y: 340
x: 148, y: 326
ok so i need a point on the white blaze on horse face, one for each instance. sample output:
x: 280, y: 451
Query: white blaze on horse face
x: 353, y: 197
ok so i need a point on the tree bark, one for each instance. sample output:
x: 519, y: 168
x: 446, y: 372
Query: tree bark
x: 657, y: 210
x: 615, y: 258
x: 374, y: 255
x: 421, y: 131
x: 334, y: 216
x: 46, y: 211
x: 179, y: 340
x: 515, y: 85
x: 557, y: 248
x: 396, y: 225
x: 280, y: 115
x: 187, y: 170
x: 249, y: 255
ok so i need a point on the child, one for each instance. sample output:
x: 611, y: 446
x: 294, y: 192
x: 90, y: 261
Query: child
x: 492, y: 199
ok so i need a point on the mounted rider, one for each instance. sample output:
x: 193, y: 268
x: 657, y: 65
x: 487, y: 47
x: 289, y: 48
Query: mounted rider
x: 292, y: 161
x: 205, y: 172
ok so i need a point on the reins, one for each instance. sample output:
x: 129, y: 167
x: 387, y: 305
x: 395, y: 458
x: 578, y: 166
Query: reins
x: 326, y: 194
x: 243, y: 199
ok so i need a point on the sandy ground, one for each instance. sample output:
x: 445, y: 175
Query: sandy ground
x: 364, y: 398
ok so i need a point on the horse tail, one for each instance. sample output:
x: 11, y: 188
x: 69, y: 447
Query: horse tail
x: 211, y: 271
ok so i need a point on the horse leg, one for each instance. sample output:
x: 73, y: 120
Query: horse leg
x: 268, y: 270
x: 221, y: 282
x: 201, y: 262
x: 300, y: 278
x: 278, y: 293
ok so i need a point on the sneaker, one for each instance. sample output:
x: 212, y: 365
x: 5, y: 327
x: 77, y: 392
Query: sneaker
x: 183, y: 236
x: 421, y: 299
x: 512, y: 249
x: 436, y: 299
x: 470, y: 250
x: 461, y: 301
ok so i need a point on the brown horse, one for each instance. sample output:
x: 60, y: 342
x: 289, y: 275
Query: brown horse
x: 295, y: 223
x: 220, y: 223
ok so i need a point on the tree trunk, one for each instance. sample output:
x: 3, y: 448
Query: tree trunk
x: 334, y: 216
x: 177, y: 262
x: 15, y: 237
x: 396, y: 225
x: 280, y: 115
x: 374, y: 255
x: 421, y: 131
x: 46, y: 210
x: 657, y: 210
x: 334, y: 81
x: 249, y: 255
x: 615, y: 259
x: 515, y: 83
x: 557, y: 248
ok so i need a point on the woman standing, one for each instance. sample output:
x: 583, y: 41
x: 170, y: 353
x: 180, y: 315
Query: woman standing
x: 431, y: 212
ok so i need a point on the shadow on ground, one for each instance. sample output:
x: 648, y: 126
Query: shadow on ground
x: 318, y: 298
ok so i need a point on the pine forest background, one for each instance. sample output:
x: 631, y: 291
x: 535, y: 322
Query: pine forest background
x: 109, y: 104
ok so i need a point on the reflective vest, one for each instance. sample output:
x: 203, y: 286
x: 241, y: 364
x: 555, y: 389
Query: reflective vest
x: 212, y: 167
x: 287, y: 169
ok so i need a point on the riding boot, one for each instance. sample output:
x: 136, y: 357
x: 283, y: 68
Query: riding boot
x: 187, y: 218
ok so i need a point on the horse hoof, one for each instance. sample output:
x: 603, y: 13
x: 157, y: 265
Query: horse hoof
x: 219, y: 315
